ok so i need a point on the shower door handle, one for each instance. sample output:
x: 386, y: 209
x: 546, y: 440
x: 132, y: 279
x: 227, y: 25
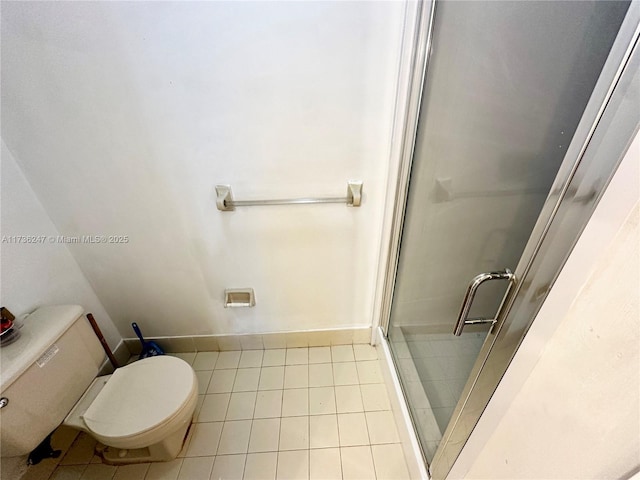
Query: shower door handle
x: 471, y: 293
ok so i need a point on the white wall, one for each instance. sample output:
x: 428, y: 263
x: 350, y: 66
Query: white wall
x: 39, y: 273
x: 568, y: 407
x: 124, y: 116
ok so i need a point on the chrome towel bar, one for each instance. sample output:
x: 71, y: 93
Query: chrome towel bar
x: 225, y: 201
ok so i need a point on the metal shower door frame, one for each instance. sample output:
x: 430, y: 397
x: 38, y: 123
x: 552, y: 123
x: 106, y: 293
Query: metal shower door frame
x: 604, y: 133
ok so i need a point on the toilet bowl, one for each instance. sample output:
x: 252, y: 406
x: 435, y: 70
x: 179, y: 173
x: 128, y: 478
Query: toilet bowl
x: 48, y: 376
x: 142, y: 412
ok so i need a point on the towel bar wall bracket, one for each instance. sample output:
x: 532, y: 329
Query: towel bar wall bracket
x: 226, y: 203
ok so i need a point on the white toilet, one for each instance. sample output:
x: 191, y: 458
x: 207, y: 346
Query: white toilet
x: 140, y: 413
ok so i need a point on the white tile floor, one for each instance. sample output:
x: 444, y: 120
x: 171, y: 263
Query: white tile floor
x: 300, y: 413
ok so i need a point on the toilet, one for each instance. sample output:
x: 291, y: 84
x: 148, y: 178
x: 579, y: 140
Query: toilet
x: 140, y: 413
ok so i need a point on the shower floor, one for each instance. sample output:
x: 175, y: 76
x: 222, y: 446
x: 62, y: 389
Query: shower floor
x: 298, y: 413
x: 434, y: 367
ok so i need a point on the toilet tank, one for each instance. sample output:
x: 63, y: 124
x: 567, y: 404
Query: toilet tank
x: 44, y: 373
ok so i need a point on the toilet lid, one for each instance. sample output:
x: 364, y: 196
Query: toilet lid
x: 141, y: 396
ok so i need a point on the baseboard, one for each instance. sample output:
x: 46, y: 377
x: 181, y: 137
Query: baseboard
x: 411, y: 447
x: 214, y: 343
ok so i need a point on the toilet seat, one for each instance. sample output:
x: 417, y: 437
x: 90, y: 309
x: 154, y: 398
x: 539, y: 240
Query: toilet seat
x: 128, y: 411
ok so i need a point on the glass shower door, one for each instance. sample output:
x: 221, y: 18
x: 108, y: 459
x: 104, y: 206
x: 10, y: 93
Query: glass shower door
x: 504, y: 90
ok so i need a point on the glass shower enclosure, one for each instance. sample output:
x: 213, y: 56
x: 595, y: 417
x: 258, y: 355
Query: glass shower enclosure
x: 505, y: 87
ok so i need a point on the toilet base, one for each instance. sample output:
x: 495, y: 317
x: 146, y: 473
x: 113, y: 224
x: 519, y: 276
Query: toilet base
x: 163, y: 451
